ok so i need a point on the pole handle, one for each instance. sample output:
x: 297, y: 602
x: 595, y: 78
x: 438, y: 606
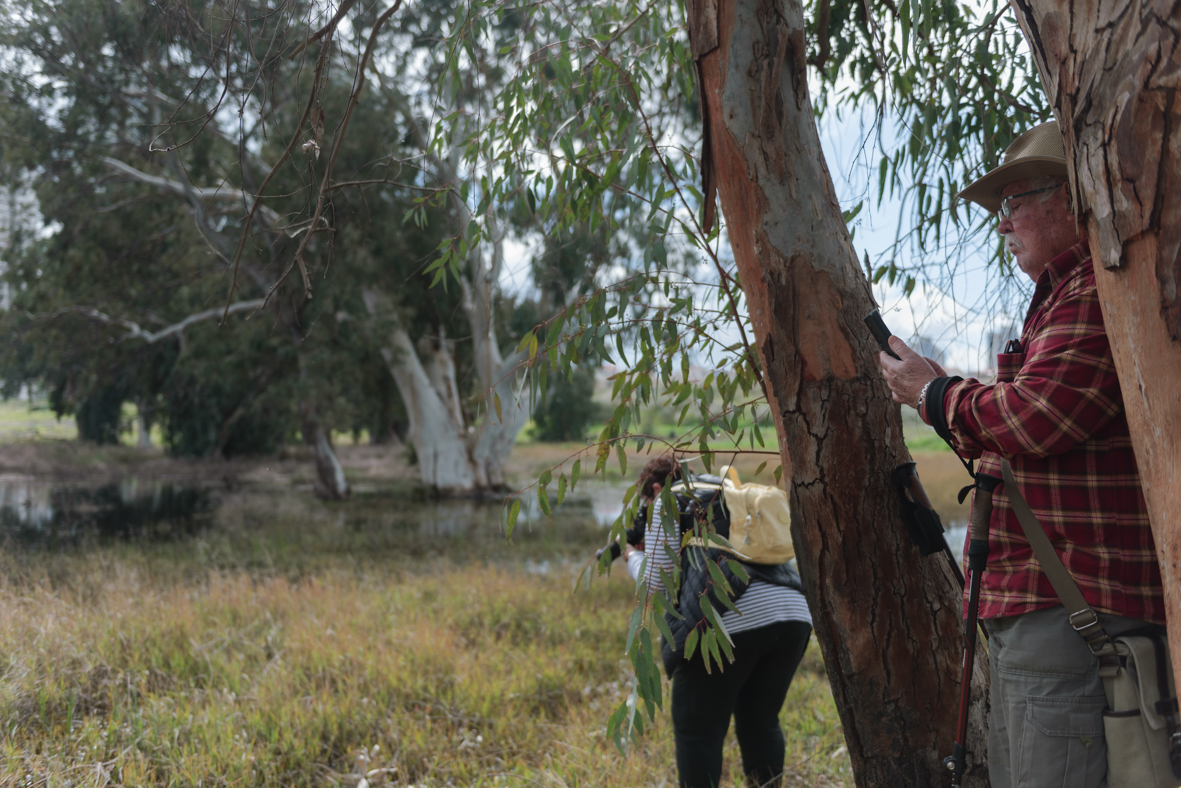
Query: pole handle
x: 981, y: 514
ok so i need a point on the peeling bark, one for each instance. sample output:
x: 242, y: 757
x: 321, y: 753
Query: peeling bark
x: 889, y: 623
x: 1112, y: 72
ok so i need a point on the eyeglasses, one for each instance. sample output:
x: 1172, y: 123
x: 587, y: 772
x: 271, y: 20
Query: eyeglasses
x: 1007, y: 205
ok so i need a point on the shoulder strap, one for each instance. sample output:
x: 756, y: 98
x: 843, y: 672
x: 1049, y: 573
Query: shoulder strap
x: 1083, y: 617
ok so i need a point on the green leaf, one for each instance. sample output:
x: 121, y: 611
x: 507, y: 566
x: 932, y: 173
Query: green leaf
x: 543, y: 500
x: 662, y: 625
x: 720, y: 579
x: 621, y: 454
x: 760, y: 468
x: 709, y: 648
x: 738, y: 569
x: 691, y: 642
x: 561, y: 489
x: 633, y: 627
x: 511, y: 521
x: 575, y: 473
x: 904, y: 14
x: 726, y: 642
x: 496, y: 403
x: 881, y: 184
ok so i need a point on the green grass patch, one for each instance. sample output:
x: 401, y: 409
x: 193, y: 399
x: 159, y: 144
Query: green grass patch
x: 21, y: 420
x: 297, y: 643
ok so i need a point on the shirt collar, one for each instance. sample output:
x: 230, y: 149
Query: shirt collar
x: 1064, y: 263
x: 1057, y: 270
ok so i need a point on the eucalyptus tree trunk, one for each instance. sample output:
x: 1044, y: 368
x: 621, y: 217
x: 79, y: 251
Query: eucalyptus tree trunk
x: 889, y: 623
x: 500, y: 377
x: 485, y: 445
x: 452, y: 458
x: 1112, y: 72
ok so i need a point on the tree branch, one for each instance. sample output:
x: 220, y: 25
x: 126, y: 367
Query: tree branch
x: 332, y: 23
x: 340, y: 135
x: 268, y: 216
x: 134, y: 331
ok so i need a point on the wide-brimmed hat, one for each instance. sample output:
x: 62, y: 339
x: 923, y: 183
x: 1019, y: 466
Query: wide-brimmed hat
x: 1039, y: 151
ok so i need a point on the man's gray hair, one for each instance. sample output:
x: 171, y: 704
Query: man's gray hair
x: 1046, y: 182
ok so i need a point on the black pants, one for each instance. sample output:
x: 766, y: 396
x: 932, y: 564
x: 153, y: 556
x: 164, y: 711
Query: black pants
x: 752, y: 688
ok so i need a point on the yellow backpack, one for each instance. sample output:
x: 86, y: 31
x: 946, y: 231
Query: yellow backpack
x: 760, y: 520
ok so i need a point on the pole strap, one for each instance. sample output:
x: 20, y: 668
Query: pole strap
x: 1083, y: 617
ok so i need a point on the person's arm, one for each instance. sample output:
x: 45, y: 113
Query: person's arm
x: 659, y: 550
x: 1064, y: 393
x: 635, y: 559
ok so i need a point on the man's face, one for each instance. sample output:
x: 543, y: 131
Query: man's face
x: 1037, y: 231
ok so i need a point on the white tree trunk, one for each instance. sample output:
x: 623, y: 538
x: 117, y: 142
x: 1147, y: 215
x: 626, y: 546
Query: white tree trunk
x: 437, y: 355
x: 438, y: 439
x: 145, y: 432
x: 500, y: 378
x: 497, y: 436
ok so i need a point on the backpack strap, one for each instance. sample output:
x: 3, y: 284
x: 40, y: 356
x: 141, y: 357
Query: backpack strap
x: 1083, y: 617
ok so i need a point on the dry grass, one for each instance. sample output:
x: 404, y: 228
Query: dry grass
x: 137, y: 666
x: 296, y: 643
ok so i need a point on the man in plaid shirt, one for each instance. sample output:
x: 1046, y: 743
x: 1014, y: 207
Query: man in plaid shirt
x: 1056, y: 412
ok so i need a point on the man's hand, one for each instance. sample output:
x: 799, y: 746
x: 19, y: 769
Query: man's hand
x: 907, y: 377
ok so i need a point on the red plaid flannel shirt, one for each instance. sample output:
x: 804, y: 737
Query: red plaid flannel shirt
x: 1057, y: 413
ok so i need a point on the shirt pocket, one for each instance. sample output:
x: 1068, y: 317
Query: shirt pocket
x: 1008, y: 365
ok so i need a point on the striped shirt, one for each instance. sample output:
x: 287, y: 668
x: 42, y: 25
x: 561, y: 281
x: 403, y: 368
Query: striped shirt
x: 1056, y: 411
x: 761, y: 604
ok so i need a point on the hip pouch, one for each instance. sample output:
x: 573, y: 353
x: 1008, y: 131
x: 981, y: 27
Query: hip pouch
x: 1141, y: 719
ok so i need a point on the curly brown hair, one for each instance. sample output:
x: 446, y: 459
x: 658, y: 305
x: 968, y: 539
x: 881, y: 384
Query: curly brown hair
x: 658, y: 471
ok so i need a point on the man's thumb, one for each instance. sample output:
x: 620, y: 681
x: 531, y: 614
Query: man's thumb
x: 897, y: 345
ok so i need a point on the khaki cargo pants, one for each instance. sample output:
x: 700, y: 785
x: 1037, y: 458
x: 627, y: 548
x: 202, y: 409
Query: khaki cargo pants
x: 1046, y: 721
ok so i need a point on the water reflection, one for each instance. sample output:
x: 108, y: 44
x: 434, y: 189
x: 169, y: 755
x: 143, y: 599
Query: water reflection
x: 34, y: 513
x: 38, y: 514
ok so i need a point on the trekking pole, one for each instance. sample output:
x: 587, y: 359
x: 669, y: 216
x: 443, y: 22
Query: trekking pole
x: 977, y: 559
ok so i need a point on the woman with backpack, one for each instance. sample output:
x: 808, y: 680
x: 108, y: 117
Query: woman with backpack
x: 769, y: 639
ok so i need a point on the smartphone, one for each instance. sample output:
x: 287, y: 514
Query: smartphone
x: 877, y: 327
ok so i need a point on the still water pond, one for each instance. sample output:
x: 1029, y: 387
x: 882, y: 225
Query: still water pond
x: 51, y: 515
x: 44, y: 516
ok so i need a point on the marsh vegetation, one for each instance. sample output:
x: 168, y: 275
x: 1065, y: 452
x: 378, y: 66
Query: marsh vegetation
x: 266, y: 637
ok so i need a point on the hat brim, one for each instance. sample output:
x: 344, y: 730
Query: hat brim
x: 986, y: 192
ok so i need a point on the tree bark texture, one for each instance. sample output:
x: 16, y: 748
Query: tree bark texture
x: 1112, y: 71
x: 889, y: 623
